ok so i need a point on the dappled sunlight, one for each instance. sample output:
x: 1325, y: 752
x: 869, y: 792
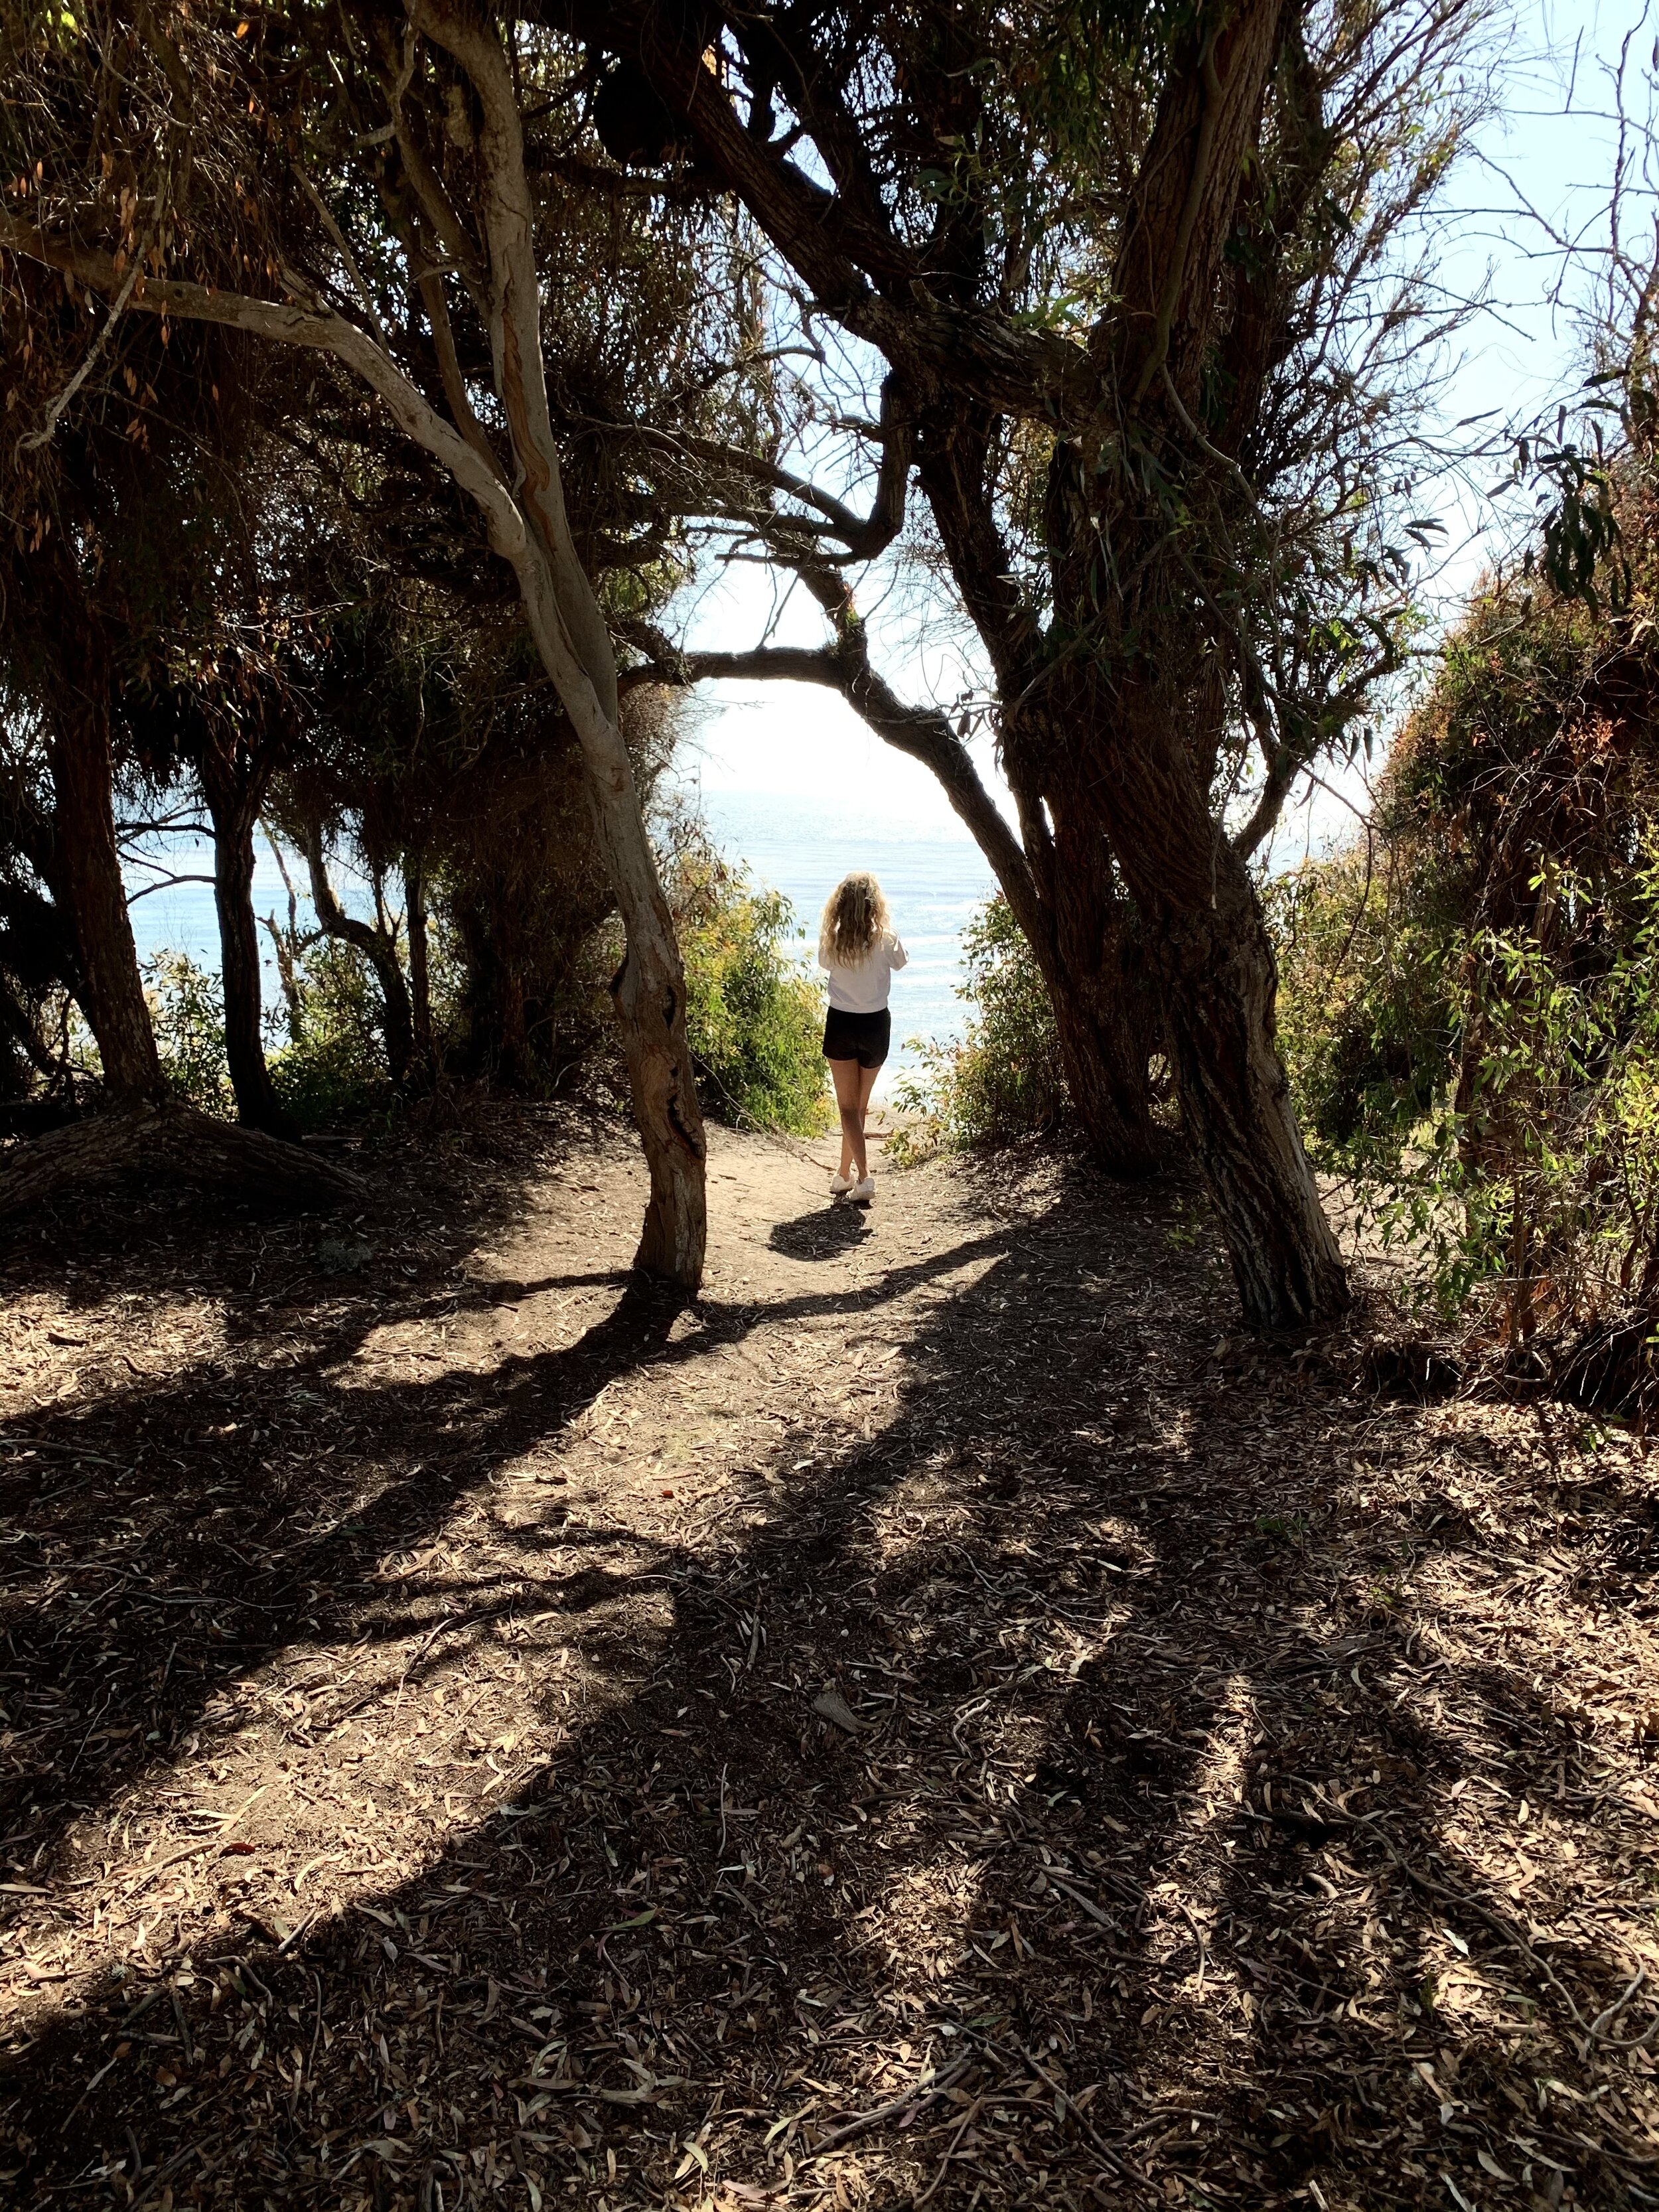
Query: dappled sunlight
x: 875, y: 1729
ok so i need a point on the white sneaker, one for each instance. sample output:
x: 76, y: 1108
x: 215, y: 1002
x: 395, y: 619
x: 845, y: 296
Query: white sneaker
x: 839, y: 1185
x: 864, y: 1191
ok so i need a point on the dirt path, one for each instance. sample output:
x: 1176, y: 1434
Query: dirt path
x: 938, y: 1722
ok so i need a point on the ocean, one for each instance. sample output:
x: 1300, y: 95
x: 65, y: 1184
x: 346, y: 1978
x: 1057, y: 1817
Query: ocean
x: 932, y: 872
x: 934, y: 882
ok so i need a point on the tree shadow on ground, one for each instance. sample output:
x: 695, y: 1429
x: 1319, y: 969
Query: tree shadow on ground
x: 1146, y: 1835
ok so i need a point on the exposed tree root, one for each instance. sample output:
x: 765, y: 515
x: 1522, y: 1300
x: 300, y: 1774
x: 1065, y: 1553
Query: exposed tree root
x: 169, y: 1141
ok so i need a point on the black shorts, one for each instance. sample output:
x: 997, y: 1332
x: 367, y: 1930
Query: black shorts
x: 862, y: 1037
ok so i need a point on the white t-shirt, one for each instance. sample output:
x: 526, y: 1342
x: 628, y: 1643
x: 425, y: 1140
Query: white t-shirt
x: 863, y: 989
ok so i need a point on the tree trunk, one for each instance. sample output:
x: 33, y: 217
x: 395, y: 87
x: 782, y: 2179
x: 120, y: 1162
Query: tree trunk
x: 1141, y: 713
x: 1061, y: 895
x: 649, y: 987
x: 574, y: 641
x: 178, y: 1142
x: 88, y: 871
x: 1235, y: 1098
x: 1215, y: 963
x: 530, y: 529
x: 493, y: 999
x: 234, y: 791
x: 420, y: 978
x: 285, y: 943
x: 1105, y: 1009
x: 649, y: 992
x: 377, y: 947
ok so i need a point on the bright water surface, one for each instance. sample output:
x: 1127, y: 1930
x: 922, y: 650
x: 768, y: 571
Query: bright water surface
x: 933, y: 880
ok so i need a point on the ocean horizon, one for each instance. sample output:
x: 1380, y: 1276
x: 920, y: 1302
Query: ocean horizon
x: 934, y: 876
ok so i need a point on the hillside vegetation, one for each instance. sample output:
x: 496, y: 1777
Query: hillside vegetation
x: 1467, y: 1007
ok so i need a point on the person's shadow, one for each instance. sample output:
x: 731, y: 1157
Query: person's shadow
x: 821, y: 1234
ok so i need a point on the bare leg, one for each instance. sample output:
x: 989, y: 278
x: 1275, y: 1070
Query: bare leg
x: 849, y: 1078
x: 866, y: 1084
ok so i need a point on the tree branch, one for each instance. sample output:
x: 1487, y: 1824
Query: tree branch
x: 291, y: 323
x: 940, y: 349
x: 922, y: 733
x: 863, y: 536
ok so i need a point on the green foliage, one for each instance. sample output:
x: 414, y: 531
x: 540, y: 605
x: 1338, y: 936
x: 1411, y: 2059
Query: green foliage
x: 1003, y: 1081
x: 1364, y: 1018
x: 1495, y: 1097
x: 332, y: 1065
x: 1467, y: 1009
x: 754, y: 1015
x: 187, y: 1013
x: 1536, y: 1182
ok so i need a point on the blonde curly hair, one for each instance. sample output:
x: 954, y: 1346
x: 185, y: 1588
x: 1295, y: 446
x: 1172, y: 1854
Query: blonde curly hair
x: 855, y: 918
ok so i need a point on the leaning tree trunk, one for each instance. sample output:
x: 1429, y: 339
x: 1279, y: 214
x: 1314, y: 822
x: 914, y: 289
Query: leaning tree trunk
x: 649, y: 991
x: 574, y: 641
x: 233, y: 794
x: 530, y: 529
x: 88, y: 872
x: 179, y: 1144
x: 1219, y: 982
x: 1074, y: 920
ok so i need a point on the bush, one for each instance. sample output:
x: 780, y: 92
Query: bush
x: 754, y: 1015
x: 1552, y: 1149
x: 1531, y: 1183
x: 1003, y: 1081
x: 1364, y: 1015
x: 1503, y: 1133
x: 187, y: 1013
x: 326, y: 1063
x: 1470, y: 1023
x: 327, y: 1059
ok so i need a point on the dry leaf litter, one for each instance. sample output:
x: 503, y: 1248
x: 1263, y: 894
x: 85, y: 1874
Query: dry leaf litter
x: 938, y: 1720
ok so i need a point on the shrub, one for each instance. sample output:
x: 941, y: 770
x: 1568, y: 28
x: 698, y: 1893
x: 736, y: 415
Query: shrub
x: 330, y: 1064
x: 326, y: 1060
x: 754, y: 1014
x: 1471, y: 1023
x: 1532, y: 1184
x: 187, y: 1013
x: 1003, y: 1081
x: 1364, y: 1013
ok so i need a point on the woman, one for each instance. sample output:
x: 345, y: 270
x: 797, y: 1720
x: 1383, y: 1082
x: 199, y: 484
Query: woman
x: 856, y: 943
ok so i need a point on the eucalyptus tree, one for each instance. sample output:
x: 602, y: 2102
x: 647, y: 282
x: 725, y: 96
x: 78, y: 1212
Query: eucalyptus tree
x: 369, y: 198
x: 203, y: 689
x: 93, y: 574
x: 1133, y: 285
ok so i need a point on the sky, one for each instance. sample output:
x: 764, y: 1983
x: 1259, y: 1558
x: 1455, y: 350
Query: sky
x: 1551, y: 145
